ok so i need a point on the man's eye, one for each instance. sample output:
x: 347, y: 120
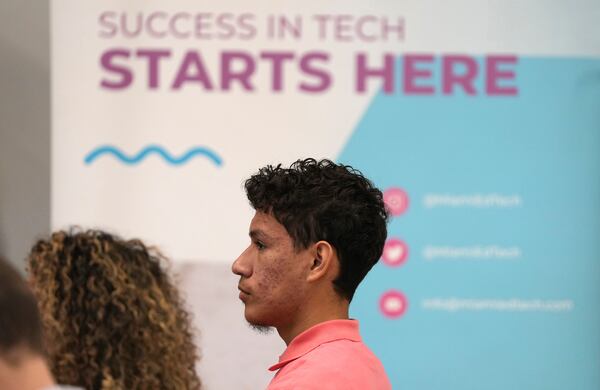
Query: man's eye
x: 259, y: 245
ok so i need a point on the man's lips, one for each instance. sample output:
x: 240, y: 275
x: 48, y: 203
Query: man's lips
x: 244, y: 294
x: 243, y: 290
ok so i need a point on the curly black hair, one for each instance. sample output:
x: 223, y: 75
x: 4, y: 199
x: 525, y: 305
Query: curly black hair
x: 321, y: 200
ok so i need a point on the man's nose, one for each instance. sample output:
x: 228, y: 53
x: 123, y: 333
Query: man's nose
x: 241, y: 266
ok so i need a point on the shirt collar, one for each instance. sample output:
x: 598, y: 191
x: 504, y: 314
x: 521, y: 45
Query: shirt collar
x: 319, y: 334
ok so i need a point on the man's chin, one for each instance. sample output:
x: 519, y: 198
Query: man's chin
x: 262, y: 329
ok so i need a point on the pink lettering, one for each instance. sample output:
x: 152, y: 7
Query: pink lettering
x: 465, y: 80
x: 306, y: 66
x: 106, y: 62
x: 153, y: 57
x: 192, y: 70
x: 494, y: 75
x: 387, y: 73
x: 412, y: 73
x: 243, y: 76
x: 277, y: 59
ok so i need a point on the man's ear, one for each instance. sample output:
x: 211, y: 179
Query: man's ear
x: 323, y: 261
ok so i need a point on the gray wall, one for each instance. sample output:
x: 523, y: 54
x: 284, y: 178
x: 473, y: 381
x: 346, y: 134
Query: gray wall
x: 24, y: 125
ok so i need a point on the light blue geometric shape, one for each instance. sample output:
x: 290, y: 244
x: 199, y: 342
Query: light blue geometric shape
x: 543, y: 145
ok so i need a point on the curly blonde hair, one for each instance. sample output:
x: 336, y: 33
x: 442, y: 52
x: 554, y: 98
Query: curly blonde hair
x: 111, y: 314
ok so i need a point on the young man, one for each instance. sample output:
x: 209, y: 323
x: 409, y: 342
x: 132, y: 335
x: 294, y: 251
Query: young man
x: 319, y: 228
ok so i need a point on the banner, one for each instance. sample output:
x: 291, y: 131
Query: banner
x: 480, y: 121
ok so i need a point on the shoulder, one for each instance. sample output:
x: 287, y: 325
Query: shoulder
x: 338, y: 364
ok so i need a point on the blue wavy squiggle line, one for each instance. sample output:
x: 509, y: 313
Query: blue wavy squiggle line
x: 116, y: 152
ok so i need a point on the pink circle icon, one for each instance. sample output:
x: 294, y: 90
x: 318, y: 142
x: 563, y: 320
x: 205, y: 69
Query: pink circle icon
x: 396, y: 200
x: 395, y: 252
x: 393, y: 304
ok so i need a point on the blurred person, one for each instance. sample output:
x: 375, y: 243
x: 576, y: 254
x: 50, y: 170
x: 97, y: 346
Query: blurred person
x: 319, y: 227
x: 23, y: 363
x: 113, y: 317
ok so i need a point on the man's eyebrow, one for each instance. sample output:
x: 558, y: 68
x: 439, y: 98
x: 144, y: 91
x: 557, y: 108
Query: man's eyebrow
x: 257, y: 234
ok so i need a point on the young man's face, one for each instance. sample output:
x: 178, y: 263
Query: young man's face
x: 272, y: 274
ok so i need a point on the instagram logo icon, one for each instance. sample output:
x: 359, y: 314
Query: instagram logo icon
x: 395, y: 252
x: 393, y: 304
x: 396, y: 200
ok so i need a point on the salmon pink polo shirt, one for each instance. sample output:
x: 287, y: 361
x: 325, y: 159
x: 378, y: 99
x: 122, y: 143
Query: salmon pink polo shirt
x: 330, y: 355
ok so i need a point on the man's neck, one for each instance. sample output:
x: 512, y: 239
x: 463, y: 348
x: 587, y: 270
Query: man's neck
x: 336, y: 309
x: 32, y: 373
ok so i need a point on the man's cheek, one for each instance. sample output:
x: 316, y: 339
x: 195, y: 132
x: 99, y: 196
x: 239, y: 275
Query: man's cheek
x: 272, y: 277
